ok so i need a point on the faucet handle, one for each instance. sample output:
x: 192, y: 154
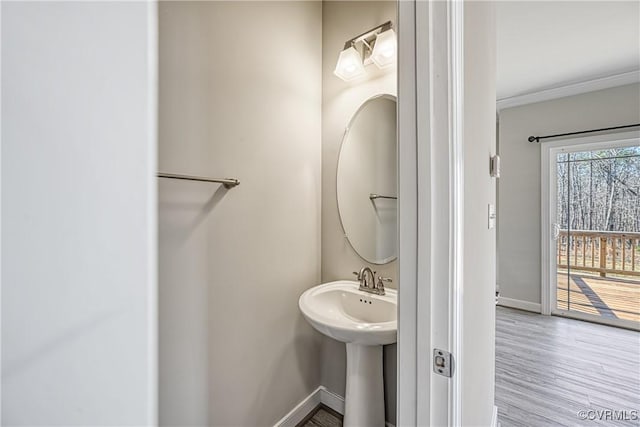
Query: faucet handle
x: 357, y: 275
x: 381, y: 281
x: 380, y: 285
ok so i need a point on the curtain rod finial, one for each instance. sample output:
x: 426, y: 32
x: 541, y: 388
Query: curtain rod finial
x: 534, y: 138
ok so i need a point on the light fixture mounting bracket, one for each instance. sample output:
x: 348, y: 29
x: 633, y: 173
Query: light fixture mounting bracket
x: 365, y: 42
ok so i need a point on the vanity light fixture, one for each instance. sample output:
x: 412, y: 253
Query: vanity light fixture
x: 377, y: 45
x: 384, y: 51
x: 349, y: 66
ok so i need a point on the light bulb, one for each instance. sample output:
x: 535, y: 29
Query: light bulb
x: 384, y: 51
x: 349, y: 65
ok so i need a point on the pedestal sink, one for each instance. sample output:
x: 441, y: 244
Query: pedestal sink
x: 365, y: 322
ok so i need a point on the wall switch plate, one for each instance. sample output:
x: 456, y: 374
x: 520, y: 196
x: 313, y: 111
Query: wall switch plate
x: 492, y: 216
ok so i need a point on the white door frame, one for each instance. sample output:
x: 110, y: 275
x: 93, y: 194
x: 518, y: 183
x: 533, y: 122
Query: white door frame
x: 430, y: 200
x: 548, y: 213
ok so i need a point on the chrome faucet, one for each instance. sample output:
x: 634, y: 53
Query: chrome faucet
x: 367, y: 279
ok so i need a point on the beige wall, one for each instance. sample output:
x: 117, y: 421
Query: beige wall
x: 343, y: 20
x: 477, y: 362
x: 519, y: 236
x: 240, y: 96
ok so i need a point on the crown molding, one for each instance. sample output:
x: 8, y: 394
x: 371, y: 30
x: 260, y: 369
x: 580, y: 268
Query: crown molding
x: 570, y: 90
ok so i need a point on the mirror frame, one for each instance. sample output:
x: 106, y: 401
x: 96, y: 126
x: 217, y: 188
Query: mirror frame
x: 342, y: 143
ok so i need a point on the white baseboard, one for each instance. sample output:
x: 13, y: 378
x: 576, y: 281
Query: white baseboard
x: 332, y: 400
x: 302, y: 409
x: 318, y: 396
x: 494, y: 418
x: 519, y: 304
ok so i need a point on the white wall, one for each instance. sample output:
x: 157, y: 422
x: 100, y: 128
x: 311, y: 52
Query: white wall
x: 477, y: 360
x: 78, y: 220
x: 519, y: 266
x: 240, y: 96
x: 342, y: 20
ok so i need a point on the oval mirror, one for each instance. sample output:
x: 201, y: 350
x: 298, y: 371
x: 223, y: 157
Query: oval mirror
x: 367, y: 180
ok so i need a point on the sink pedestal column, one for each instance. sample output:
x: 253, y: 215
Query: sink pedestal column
x: 364, y: 400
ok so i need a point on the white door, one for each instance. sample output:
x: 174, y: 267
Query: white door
x: 79, y: 285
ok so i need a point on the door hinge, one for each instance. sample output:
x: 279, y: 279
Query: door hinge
x: 442, y: 362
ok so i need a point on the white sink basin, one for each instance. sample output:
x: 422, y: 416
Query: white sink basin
x: 341, y: 311
x: 365, y: 322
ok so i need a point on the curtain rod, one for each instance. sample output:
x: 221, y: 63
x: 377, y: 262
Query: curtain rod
x: 538, y: 138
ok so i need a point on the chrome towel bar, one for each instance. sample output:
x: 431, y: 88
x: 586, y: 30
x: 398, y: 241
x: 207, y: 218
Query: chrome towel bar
x: 227, y: 182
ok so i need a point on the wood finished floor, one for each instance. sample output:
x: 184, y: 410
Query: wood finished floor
x: 549, y: 368
x: 323, y: 417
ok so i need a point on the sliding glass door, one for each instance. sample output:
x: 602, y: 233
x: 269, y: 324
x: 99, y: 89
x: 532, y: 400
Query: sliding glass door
x: 594, y: 249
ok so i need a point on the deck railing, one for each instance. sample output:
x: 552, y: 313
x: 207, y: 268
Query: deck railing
x: 599, y: 251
